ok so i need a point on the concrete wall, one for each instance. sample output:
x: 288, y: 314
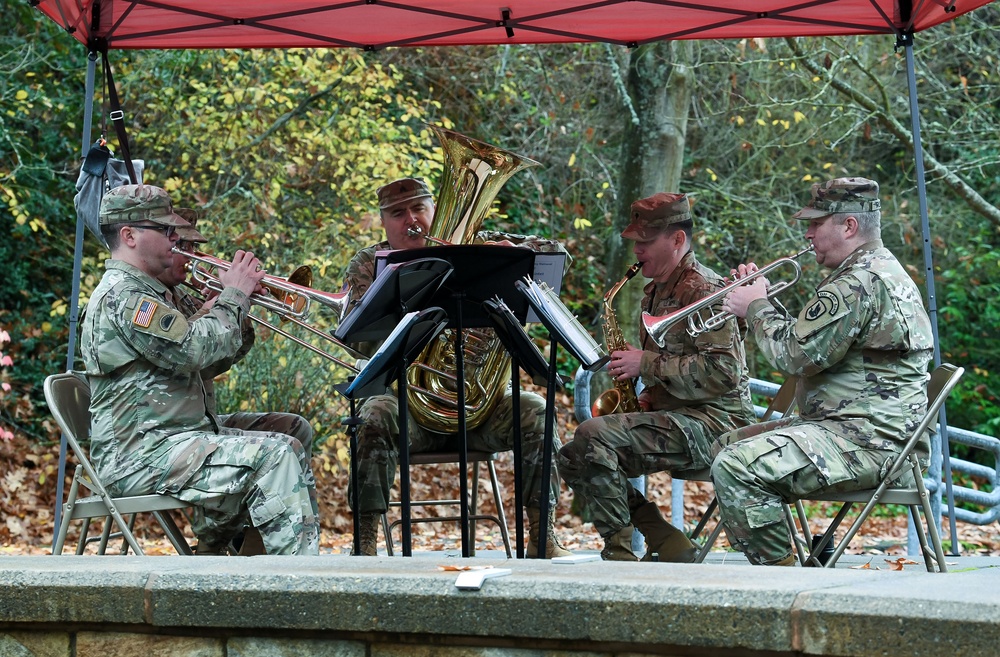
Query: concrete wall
x: 383, y: 607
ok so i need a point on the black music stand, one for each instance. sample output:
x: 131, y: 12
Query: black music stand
x: 397, y: 290
x: 523, y: 353
x: 383, y: 309
x: 389, y: 363
x: 481, y: 272
x: 564, y: 329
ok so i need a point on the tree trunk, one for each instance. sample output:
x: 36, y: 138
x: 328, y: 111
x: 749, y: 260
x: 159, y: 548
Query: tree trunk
x: 659, y: 92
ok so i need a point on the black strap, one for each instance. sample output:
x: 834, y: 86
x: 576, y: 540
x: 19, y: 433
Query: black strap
x: 118, y: 118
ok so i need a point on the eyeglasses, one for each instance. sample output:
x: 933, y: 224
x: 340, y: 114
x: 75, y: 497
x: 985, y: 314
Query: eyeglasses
x: 168, y: 231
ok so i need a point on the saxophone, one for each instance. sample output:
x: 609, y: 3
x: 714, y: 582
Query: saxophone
x: 621, y: 398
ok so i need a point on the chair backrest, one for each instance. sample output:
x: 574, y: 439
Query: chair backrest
x: 783, y: 400
x: 68, y: 397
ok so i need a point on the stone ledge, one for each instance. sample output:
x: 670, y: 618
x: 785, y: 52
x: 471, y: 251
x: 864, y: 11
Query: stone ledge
x: 641, y: 607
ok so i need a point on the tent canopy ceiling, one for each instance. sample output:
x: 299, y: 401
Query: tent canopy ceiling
x: 375, y: 24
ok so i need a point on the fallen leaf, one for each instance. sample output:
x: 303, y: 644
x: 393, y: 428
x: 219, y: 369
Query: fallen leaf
x: 897, y: 564
x: 462, y: 568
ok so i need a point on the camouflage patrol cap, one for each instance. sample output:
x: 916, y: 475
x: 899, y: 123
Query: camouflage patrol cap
x: 130, y: 203
x: 189, y: 233
x: 653, y: 214
x: 401, y: 191
x: 841, y: 195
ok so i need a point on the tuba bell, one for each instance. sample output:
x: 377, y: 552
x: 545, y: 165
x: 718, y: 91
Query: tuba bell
x: 473, y: 174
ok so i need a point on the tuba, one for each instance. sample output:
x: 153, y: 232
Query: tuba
x: 473, y: 174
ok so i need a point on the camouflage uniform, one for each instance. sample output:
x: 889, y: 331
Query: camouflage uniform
x: 288, y: 424
x: 698, y: 388
x: 378, y: 438
x: 861, y: 347
x: 152, y: 430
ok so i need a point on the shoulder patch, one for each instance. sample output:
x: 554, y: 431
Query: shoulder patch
x: 826, y: 303
x: 144, y: 313
x: 828, y: 306
x: 157, y: 318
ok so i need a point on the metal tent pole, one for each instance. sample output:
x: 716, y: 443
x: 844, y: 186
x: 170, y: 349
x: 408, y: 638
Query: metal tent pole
x: 906, y: 41
x: 74, y: 300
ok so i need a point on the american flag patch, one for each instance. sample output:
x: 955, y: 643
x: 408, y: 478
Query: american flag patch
x: 144, y: 314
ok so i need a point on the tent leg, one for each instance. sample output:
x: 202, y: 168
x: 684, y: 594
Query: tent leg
x: 906, y: 41
x: 74, y: 300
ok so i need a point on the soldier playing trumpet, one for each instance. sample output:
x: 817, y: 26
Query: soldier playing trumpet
x: 695, y: 389
x: 860, y: 348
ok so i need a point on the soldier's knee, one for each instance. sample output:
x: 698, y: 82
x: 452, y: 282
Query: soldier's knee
x: 573, y: 453
x: 727, y: 468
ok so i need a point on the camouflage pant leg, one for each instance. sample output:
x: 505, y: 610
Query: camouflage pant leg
x: 263, y: 476
x: 606, y: 451
x: 743, y: 433
x: 753, y: 477
x: 378, y: 450
x: 289, y: 424
x: 497, y: 435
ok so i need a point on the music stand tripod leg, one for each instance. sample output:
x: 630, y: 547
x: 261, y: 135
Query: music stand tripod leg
x: 463, y: 449
x: 543, y: 497
x: 518, y: 465
x: 352, y: 422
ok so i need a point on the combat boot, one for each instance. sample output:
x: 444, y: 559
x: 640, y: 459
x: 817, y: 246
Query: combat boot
x: 618, y: 546
x: 552, y: 547
x: 662, y: 539
x: 369, y: 534
x: 253, y: 543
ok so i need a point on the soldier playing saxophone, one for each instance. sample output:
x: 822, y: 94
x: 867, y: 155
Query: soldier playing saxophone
x: 695, y: 389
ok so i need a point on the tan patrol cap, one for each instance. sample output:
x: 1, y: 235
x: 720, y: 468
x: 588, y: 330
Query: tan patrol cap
x: 190, y: 233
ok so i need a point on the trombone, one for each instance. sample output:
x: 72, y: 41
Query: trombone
x: 657, y: 327
x: 291, y: 300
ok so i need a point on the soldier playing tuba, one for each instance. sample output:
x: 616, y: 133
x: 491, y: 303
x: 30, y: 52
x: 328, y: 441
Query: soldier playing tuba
x: 474, y: 173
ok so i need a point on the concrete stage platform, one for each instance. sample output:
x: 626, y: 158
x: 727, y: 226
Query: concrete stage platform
x: 385, y: 606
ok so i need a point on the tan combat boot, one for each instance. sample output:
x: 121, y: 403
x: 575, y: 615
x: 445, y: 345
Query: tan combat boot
x: 618, y: 546
x: 668, y: 543
x: 552, y: 547
x: 369, y: 534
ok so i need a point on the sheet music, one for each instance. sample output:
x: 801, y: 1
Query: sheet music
x: 566, y: 327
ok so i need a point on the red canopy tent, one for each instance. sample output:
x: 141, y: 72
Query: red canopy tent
x: 373, y: 24
x: 104, y: 25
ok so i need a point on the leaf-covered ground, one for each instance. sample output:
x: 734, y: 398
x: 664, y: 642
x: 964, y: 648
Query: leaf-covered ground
x: 27, y: 498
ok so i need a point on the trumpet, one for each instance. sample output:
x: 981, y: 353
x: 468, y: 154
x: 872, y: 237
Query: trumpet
x: 657, y: 327
x: 291, y: 301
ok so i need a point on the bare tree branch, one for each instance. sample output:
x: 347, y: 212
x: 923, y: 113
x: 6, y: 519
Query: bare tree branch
x: 881, y: 114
